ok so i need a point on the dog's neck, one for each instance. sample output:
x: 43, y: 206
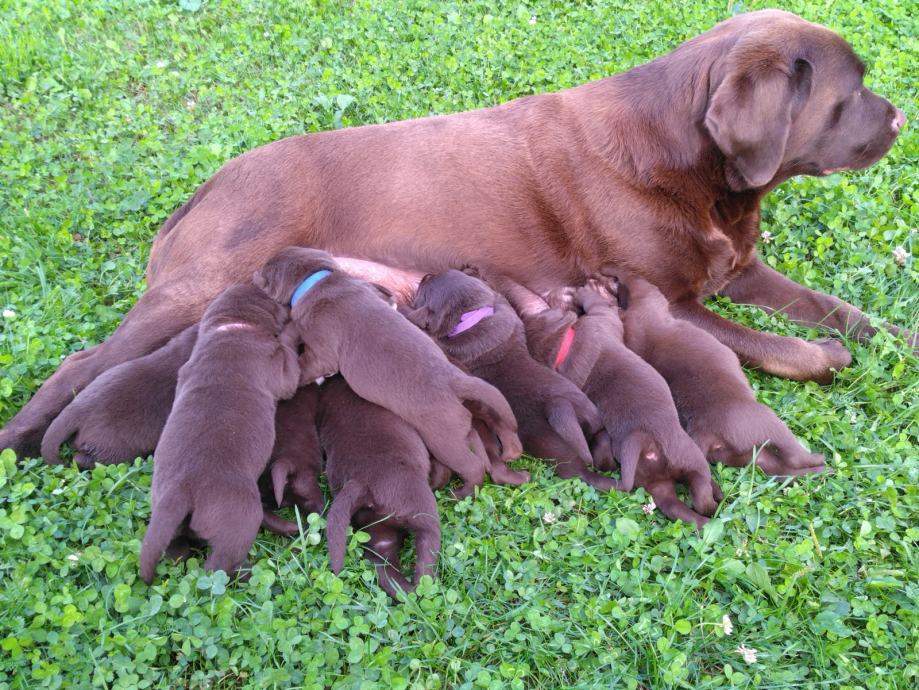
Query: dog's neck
x: 489, y: 341
x: 307, y: 284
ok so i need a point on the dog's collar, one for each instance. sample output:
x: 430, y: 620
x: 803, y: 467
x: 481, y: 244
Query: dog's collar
x: 307, y: 284
x: 470, y: 319
x: 565, y: 349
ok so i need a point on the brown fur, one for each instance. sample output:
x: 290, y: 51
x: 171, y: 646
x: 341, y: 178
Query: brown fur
x: 347, y: 328
x: 377, y: 466
x: 121, y: 414
x: 219, y: 435
x: 639, y: 416
x: 660, y: 170
x: 552, y: 413
x: 296, y: 461
x: 716, y: 403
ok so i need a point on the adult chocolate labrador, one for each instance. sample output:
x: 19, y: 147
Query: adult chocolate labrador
x: 659, y: 170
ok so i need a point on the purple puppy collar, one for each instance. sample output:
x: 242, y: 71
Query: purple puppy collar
x: 470, y: 319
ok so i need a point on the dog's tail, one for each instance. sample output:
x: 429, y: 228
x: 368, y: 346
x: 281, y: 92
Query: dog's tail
x: 427, y: 540
x: 167, y: 516
x: 485, y: 402
x: 346, y: 502
x: 61, y: 430
x: 564, y: 420
x: 280, y: 471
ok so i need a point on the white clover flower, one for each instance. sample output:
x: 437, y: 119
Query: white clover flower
x: 9, y: 314
x: 549, y: 518
x: 726, y: 624
x: 748, y: 654
x: 161, y: 64
x: 900, y: 255
x: 73, y: 558
x: 648, y: 508
x: 767, y: 236
x: 533, y: 20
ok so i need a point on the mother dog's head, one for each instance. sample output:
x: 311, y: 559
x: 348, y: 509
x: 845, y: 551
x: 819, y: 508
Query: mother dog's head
x: 786, y: 97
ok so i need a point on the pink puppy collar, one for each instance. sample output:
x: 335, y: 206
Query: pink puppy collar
x: 470, y: 319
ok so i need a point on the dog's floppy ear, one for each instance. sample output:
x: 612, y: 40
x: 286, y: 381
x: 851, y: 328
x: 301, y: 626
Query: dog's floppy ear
x: 420, y: 316
x: 750, y: 113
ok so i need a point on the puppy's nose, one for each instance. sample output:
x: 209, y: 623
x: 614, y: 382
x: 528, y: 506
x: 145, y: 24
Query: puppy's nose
x: 898, y: 120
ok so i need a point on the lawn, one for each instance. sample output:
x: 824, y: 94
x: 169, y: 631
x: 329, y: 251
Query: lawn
x: 113, y: 112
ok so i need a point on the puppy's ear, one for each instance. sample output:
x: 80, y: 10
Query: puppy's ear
x: 750, y: 113
x: 421, y: 317
x: 385, y: 293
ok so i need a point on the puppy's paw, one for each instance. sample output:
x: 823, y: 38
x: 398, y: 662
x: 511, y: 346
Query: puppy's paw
x: 605, y: 286
x: 562, y: 298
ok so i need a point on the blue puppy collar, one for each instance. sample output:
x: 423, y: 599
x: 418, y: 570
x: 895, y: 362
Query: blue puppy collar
x: 307, y: 284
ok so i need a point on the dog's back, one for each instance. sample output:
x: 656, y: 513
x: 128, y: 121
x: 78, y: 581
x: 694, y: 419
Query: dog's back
x: 220, y: 432
x: 121, y: 414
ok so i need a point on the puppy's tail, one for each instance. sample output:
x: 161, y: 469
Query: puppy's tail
x: 280, y: 471
x: 346, y: 502
x: 167, y: 516
x: 564, y: 420
x: 427, y: 539
x: 61, y: 430
x: 485, y: 402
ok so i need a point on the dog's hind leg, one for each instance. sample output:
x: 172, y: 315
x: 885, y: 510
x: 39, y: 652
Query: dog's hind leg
x: 158, y: 315
x: 383, y: 551
x: 466, y: 458
x: 230, y: 528
x: 567, y: 463
x: 665, y: 498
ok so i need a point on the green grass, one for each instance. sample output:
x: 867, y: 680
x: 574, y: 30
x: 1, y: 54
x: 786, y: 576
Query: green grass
x: 112, y: 112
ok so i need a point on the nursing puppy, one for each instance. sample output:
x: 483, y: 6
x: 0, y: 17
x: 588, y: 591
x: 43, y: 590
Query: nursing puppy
x: 377, y: 466
x: 121, y: 414
x: 478, y: 328
x: 219, y: 435
x: 346, y: 327
x: 712, y: 394
x: 296, y: 461
x: 642, y: 426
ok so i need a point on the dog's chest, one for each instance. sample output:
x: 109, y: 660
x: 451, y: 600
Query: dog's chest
x: 724, y: 255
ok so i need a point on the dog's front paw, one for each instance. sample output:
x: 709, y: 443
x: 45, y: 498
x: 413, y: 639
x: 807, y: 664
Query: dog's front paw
x: 562, y: 298
x: 833, y: 357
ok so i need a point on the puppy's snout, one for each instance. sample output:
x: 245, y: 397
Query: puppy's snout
x: 899, y: 119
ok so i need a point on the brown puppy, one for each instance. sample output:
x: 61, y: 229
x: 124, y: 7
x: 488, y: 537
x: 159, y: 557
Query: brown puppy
x: 377, y: 466
x: 478, y: 328
x: 347, y: 328
x: 296, y: 461
x: 121, y: 414
x: 715, y: 401
x: 660, y: 169
x: 219, y: 435
x: 643, y: 427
